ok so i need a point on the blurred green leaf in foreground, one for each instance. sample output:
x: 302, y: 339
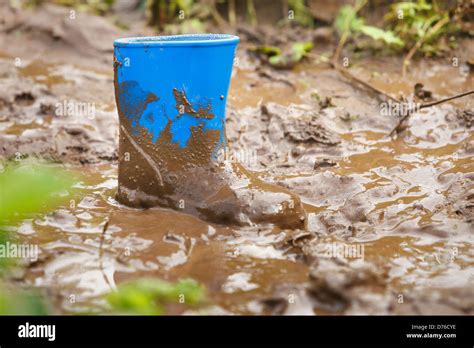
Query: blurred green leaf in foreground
x: 31, y: 188
x: 15, y: 301
x: 26, y: 188
x: 149, y: 296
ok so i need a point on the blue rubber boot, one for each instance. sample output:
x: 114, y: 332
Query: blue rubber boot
x: 171, y: 93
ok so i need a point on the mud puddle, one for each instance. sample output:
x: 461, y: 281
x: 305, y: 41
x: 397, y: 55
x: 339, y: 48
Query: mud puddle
x: 238, y: 267
x: 401, y: 207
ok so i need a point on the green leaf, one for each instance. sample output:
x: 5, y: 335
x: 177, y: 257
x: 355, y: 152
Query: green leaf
x: 297, y: 52
x: 14, y: 301
x: 302, y: 15
x: 301, y: 49
x: 149, y: 296
x: 30, y: 187
x: 268, y: 50
x: 385, y: 35
x: 347, y: 20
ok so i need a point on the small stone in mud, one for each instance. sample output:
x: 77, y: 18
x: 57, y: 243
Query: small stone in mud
x: 467, y: 117
x: 24, y: 99
x: 46, y: 109
x: 72, y: 130
x: 325, y: 162
x: 422, y: 93
x: 298, y: 151
x: 276, y: 305
x: 470, y: 64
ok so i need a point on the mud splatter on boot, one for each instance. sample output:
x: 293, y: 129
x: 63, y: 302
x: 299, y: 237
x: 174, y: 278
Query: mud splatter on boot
x: 154, y: 170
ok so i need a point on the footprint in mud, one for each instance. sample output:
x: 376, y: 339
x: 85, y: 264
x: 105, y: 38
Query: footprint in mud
x: 177, y: 161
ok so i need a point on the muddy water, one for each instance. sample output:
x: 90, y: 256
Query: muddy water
x: 406, y: 200
x: 236, y: 266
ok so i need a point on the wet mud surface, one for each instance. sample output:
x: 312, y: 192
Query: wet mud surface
x: 402, y: 207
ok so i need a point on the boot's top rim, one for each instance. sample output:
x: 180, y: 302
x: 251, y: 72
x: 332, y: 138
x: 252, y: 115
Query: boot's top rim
x: 178, y: 40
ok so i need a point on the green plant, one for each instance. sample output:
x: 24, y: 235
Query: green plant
x: 150, y: 296
x: 30, y: 188
x: 26, y: 188
x: 301, y: 13
x: 187, y: 26
x: 14, y: 301
x: 285, y: 59
x: 177, y: 16
x: 423, y: 22
x: 94, y: 6
x: 348, y: 23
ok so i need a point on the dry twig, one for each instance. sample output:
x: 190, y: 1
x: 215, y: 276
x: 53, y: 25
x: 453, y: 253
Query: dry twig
x: 101, y: 252
x: 427, y: 105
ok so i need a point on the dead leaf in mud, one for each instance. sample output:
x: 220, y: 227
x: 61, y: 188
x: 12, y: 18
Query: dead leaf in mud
x: 294, y: 241
x: 299, y: 125
x: 302, y: 131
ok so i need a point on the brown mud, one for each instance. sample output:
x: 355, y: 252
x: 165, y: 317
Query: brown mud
x: 183, y: 102
x: 402, y: 206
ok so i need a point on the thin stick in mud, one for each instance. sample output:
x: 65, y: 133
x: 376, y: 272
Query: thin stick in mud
x: 397, y: 128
